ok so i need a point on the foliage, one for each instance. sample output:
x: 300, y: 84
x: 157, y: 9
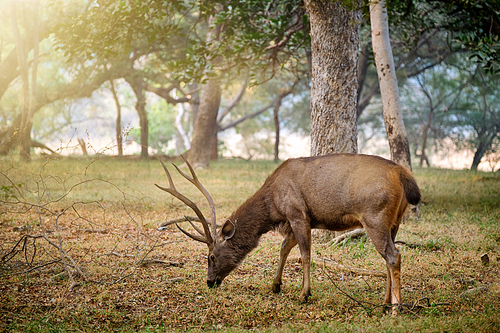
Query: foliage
x: 455, y: 102
x: 473, y: 26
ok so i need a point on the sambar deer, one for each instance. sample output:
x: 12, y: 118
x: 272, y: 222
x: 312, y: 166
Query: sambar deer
x: 335, y: 192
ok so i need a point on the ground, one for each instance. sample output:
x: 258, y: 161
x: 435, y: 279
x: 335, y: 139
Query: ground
x: 101, y: 215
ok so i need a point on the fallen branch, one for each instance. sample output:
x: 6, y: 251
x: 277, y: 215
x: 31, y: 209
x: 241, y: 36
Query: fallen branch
x: 410, y: 245
x: 175, y: 279
x: 150, y: 262
x: 351, y: 234
x: 93, y: 231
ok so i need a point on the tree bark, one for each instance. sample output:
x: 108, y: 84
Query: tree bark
x: 485, y: 140
x: 395, y: 128
x: 206, y: 120
x: 205, y: 125
x: 334, y: 47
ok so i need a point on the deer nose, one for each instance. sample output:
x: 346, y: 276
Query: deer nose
x: 214, y: 283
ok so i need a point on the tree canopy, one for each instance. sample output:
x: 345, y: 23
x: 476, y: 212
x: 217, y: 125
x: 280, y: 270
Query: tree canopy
x: 85, y: 44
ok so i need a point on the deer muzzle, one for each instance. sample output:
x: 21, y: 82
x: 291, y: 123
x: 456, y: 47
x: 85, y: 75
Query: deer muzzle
x: 214, y: 283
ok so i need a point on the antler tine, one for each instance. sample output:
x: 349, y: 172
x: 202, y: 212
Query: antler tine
x: 194, y: 227
x: 207, y: 239
x: 195, y: 237
x: 203, y: 190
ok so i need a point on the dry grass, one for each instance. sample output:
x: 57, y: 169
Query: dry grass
x: 103, y: 213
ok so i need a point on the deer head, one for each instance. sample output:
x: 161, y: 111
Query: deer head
x: 220, y: 259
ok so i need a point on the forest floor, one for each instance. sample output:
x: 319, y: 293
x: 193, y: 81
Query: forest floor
x: 97, y: 219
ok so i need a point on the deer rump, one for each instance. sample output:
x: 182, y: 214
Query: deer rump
x: 335, y: 192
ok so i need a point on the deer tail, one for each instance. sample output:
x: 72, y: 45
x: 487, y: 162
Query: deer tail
x: 412, y: 192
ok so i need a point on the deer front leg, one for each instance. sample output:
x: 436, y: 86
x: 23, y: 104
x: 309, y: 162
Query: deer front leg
x: 288, y: 243
x: 302, y: 233
x: 388, y: 297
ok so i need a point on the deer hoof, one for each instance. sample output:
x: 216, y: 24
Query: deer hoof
x: 277, y: 288
x: 303, y: 298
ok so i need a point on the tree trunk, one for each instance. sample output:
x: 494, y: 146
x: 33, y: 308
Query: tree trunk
x: 182, y: 140
x: 195, y: 102
x: 214, y: 151
x: 485, y: 140
x: 206, y: 119
x: 394, y: 125
x: 425, y: 132
x: 364, y: 58
x: 277, y: 130
x: 204, y: 127
x: 139, y: 87
x: 23, y: 67
x: 118, y: 126
x: 334, y: 47
x: 26, y: 143
x: 9, y: 137
x: 9, y: 66
x: 214, y: 155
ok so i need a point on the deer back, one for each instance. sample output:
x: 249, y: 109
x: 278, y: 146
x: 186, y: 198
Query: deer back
x: 336, y: 191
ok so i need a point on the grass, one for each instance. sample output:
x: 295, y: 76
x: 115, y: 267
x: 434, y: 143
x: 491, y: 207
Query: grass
x: 104, y: 212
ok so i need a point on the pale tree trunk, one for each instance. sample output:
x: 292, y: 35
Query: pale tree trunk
x: 206, y: 119
x: 334, y: 47
x: 182, y: 140
x: 394, y: 125
x: 118, y: 125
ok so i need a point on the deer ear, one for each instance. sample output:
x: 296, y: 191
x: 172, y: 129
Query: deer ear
x: 227, y: 230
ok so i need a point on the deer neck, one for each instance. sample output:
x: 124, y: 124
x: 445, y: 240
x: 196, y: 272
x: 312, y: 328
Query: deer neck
x: 252, y: 220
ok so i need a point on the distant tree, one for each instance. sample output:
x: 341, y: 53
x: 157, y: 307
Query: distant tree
x: 206, y: 119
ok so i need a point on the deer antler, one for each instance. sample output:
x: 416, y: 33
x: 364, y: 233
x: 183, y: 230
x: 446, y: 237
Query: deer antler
x: 206, y: 236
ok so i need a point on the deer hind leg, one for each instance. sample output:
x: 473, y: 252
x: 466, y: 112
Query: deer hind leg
x: 389, y: 294
x: 288, y: 243
x: 384, y: 243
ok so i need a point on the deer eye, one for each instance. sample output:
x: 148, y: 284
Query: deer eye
x: 212, y: 258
